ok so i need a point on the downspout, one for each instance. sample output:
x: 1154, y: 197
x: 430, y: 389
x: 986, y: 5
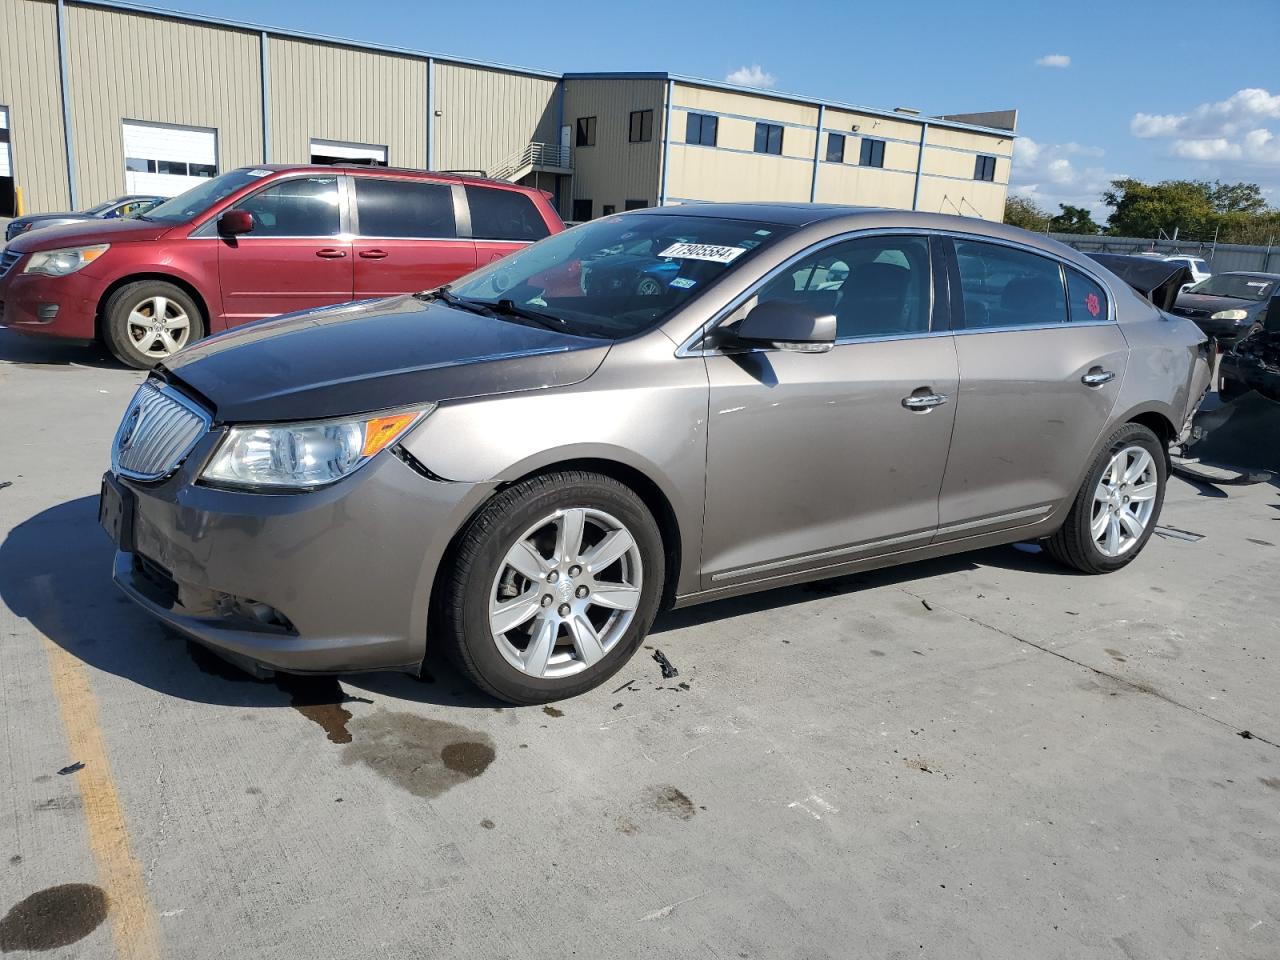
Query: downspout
x: 924, y: 136
x: 565, y: 160
x: 66, y: 105
x: 265, y: 68
x: 431, y: 113
x: 817, y: 149
x: 666, y: 142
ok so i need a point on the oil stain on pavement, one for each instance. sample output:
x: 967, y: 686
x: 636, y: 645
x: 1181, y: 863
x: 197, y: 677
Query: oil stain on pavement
x: 52, y: 918
x: 672, y: 801
x: 425, y: 757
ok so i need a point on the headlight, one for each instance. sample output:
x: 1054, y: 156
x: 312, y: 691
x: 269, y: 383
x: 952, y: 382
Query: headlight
x: 1230, y: 315
x: 58, y: 263
x: 304, y: 456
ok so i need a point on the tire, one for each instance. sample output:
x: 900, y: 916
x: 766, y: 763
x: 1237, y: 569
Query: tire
x: 648, y: 287
x: 510, y: 665
x: 128, y: 340
x: 1074, y: 544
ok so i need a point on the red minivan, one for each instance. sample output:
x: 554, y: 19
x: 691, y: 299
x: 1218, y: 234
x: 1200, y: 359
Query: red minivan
x: 257, y: 242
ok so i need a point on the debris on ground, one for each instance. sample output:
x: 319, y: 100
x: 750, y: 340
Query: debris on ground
x: 668, y: 668
x: 1246, y: 734
x: 926, y: 605
x: 1173, y: 533
x: 683, y: 686
x: 625, y: 686
x: 5, y: 483
x: 617, y: 706
x: 71, y: 768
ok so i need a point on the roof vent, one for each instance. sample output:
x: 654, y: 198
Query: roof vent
x: 909, y: 111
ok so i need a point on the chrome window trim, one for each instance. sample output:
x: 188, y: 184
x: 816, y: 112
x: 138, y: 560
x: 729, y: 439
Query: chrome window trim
x: 688, y: 349
x: 182, y: 400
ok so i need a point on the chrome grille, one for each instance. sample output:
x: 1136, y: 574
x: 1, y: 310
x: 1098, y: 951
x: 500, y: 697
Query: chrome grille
x: 157, y: 433
x: 7, y: 259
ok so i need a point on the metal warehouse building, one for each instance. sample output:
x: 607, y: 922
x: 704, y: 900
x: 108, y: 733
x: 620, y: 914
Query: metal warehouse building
x: 88, y: 112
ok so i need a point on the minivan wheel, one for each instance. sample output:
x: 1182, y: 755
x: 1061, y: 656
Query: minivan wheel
x: 150, y: 320
x: 1116, y: 510
x: 554, y: 584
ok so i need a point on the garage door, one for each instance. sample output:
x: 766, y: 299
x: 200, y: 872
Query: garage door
x: 166, y: 159
x: 340, y: 151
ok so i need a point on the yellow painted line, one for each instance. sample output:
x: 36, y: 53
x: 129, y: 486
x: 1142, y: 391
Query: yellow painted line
x: 133, y: 921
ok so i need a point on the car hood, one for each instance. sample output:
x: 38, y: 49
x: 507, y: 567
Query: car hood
x: 374, y: 355
x: 86, y: 233
x: 37, y: 217
x: 1201, y: 301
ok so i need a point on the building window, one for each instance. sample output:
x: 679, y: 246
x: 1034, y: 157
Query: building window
x: 984, y: 168
x: 586, y: 135
x: 581, y: 210
x: 835, y: 148
x: 700, y: 128
x: 768, y: 138
x: 339, y: 151
x: 641, y: 126
x: 871, y: 153
x: 608, y: 209
x: 636, y: 205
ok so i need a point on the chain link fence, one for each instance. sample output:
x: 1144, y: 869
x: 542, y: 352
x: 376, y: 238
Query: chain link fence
x: 1220, y: 256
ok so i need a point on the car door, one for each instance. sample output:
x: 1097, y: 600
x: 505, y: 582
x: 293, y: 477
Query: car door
x: 1041, y: 361
x: 501, y: 221
x: 406, y: 236
x: 815, y: 459
x: 295, y: 257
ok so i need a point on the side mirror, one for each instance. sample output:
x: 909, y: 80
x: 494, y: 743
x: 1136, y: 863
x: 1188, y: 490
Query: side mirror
x: 235, y: 222
x: 788, y: 325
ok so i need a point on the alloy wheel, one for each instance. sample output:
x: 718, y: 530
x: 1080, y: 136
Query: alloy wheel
x: 158, y: 327
x: 1124, y: 501
x: 565, y: 593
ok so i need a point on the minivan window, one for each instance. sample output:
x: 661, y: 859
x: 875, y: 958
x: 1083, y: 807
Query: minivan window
x: 617, y: 277
x: 300, y: 207
x: 504, y: 215
x: 192, y: 203
x: 1087, y: 301
x: 404, y: 208
x: 875, y: 286
x: 1006, y: 287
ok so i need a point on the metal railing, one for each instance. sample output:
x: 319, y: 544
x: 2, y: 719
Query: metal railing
x: 532, y: 156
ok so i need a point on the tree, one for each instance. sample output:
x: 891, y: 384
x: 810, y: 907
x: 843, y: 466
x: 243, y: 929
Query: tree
x: 1146, y: 210
x: 1237, y: 198
x: 1073, y: 220
x: 1021, y: 212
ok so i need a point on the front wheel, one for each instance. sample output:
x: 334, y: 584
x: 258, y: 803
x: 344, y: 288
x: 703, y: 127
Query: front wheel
x: 149, y: 321
x: 555, y: 583
x: 1116, y: 509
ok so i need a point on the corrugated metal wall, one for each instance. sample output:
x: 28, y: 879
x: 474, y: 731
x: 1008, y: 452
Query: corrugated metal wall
x: 336, y: 93
x: 29, y: 87
x: 615, y: 170
x: 127, y: 66
x: 487, y: 115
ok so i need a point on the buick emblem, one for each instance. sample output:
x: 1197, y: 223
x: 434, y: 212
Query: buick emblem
x: 130, y: 426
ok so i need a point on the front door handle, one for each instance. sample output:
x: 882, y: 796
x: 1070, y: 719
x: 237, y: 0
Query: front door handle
x: 1097, y: 377
x: 924, y: 402
x: 373, y: 254
x: 329, y: 253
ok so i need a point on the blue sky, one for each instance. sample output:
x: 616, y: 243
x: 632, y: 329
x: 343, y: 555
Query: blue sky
x: 1151, y: 90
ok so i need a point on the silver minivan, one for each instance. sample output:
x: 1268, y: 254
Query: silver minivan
x: 658, y: 408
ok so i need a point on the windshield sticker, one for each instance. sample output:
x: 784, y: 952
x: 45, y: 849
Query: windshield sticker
x: 1262, y: 284
x: 257, y: 173
x: 683, y: 283
x: 703, y: 251
x: 763, y: 233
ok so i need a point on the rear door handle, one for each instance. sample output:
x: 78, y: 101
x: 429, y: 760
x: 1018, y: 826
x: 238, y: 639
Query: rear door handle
x: 1097, y: 377
x: 924, y: 401
x: 329, y: 253
x: 373, y: 254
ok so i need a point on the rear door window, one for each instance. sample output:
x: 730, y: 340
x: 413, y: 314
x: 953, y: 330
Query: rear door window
x: 404, y: 208
x: 1087, y: 301
x: 504, y: 215
x: 1007, y: 287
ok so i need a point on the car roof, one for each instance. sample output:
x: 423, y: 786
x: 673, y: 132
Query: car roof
x: 408, y: 173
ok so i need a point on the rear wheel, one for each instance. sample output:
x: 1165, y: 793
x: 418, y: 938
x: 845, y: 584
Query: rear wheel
x: 1116, y: 509
x: 555, y: 583
x: 149, y: 321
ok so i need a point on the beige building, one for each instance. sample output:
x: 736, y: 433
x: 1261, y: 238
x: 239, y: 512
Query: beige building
x: 82, y: 121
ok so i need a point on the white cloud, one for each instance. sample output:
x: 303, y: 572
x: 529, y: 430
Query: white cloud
x: 1231, y: 137
x: 1059, y: 60
x: 1050, y: 174
x: 752, y: 76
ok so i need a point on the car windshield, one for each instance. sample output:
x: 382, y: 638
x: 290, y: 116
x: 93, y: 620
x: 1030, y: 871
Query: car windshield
x: 198, y: 199
x: 1241, y: 285
x: 100, y: 208
x: 618, y: 276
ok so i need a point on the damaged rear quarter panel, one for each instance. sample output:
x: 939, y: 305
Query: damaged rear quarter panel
x: 646, y: 415
x: 1168, y: 370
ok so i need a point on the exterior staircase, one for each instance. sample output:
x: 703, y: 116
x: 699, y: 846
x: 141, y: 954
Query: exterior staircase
x: 535, y: 157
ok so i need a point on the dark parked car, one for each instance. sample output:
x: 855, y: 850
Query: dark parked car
x: 258, y: 242
x: 1228, y: 305
x: 129, y: 206
x: 522, y: 472
x: 1253, y: 362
